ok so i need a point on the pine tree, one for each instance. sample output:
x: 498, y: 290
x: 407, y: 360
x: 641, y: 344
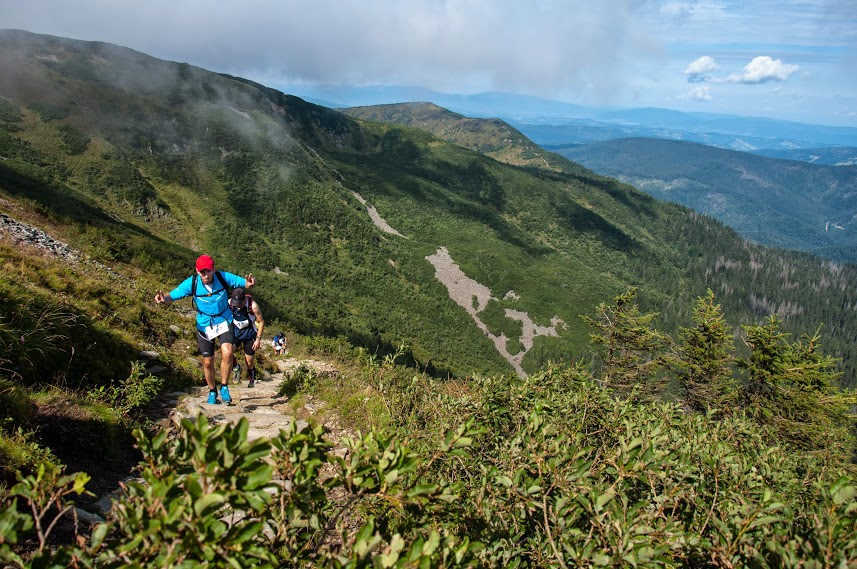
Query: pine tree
x: 792, y: 388
x: 705, y: 358
x: 632, y: 352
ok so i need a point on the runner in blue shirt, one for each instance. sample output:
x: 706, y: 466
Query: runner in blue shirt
x: 209, y: 290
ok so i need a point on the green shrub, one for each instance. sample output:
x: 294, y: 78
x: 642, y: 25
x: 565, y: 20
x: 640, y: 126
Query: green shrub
x: 566, y: 474
x: 210, y: 497
x: 301, y: 379
x: 534, y: 472
x: 50, y: 111
x: 20, y: 454
x: 136, y: 391
x: 45, y: 496
x: 75, y: 141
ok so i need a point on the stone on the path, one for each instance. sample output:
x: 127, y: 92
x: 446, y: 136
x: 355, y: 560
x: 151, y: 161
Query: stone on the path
x: 105, y: 503
x: 86, y: 517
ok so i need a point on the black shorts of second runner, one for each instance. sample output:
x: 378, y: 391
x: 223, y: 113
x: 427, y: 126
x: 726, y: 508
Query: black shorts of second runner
x: 206, y: 346
x: 248, y: 346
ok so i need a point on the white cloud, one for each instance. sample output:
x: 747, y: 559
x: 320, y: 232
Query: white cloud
x: 701, y: 69
x: 763, y: 69
x: 698, y: 94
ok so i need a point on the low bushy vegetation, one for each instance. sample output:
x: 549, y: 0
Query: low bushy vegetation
x: 546, y: 471
x: 573, y: 466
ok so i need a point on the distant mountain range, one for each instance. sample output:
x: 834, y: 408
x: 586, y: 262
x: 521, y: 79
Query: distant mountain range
x: 833, y: 156
x: 548, y: 122
x: 784, y: 203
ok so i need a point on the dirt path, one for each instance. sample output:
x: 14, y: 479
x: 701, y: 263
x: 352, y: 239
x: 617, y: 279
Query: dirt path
x: 265, y: 410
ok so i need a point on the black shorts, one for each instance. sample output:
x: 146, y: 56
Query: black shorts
x: 248, y: 346
x: 206, y: 346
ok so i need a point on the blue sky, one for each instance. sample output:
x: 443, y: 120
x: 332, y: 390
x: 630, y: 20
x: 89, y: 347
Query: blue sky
x: 787, y: 59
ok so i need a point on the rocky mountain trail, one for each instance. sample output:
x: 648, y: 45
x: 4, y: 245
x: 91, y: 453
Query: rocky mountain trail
x: 266, y: 410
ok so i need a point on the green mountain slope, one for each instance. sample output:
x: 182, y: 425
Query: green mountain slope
x: 378, y: 232
x: 809, y: 207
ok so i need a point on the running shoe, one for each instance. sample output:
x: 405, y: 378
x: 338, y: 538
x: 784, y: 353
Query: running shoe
x: 224, y: 394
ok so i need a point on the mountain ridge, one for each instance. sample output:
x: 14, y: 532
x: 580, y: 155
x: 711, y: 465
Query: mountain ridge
x: 553, y: 122
x: 491, y: 137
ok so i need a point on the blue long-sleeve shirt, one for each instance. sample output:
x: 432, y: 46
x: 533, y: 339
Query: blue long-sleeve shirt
x: 212, y: 307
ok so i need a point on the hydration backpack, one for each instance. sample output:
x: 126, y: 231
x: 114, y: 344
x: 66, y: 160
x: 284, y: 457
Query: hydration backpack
x: 218, y: 277
x: 243, y: 319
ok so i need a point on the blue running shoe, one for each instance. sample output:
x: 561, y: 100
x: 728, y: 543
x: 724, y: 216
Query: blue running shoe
x: 224, y: 394
x: 212, y: 398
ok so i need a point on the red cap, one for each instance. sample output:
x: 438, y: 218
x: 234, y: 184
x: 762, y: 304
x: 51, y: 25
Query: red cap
x: 204, y: 262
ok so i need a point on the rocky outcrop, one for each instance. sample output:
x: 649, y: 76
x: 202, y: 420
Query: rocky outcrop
x: 26, y: 235
x: 21, y: 233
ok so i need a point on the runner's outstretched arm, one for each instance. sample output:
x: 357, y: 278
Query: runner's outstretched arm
x: 160, y: 298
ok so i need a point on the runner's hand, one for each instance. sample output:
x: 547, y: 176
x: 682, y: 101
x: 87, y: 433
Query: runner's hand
x: 159, y: 297
x: 250, y: 280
